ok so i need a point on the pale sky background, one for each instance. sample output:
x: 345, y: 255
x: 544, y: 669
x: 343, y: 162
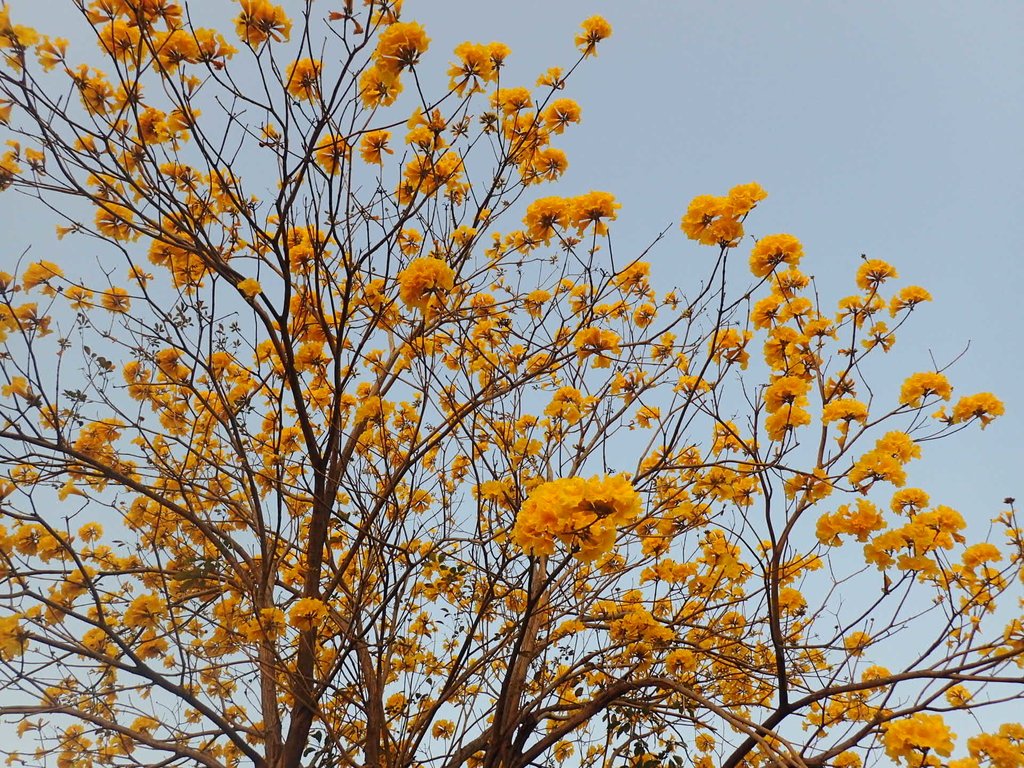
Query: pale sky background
x: 886, y: 128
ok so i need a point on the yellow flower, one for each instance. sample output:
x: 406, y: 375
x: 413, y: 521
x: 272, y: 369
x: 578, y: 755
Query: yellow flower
x: 581, y: 514
x: 845, y: 409
x: 543, y: 215
x: 983, y: 406
x: 861, y: 521
x: 145, y: 611
x: 876, y: 466
x: 908, y: 501
x: 773, y: 250
x: 259, y: 21
x: 919, y: 386
x: 765, y: 313
x: 38, y: 273
x: 790, y: 282
x: 786, y: 391
x: 400, y: 46
x: 373, y: 145
x: 12, y: 637
x: 378, y: 87
x: 899, y: 445
x: 648, y: 415
x: 115, y: 221
x: 638, y: 625
x: 958, y: 696
x: 512, y: 100
x: 918, y: 733
x: 443, y: 729
x: 709, y: 221
x: 474, y: 66
x: 19, y: 386
x: 566, y: 404
x: 593, y: 208
x: 595, y: 29
x: 534, y: 302
x: 729, y: 346
x: 307, y: 613
x: 599, y: 343
x: 409, y: 241
x: 498, y: 52
x: 116, y: 300
x: 395, y: 703
x: 423, y: 283
x: 552, y: 78
x: 302, y: 79
x: 547, y: 164
x: 872, y: 273
x: 332, y: 153
x: 249, y: 287
x: 51, y: 52
x: 560, y: 113
x: 785, y: 420
x: 856, y: 642
x: 743, y: 198
x: 907, y: 299
x: 272, y: 621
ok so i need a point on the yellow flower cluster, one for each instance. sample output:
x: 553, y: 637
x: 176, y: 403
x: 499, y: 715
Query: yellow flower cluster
x: 1003, y: 749
x: 423, y: 284
x: 307, y: 613
x: 786, y: 401
x: 729, y: 347
x: 983, y: 406
x: 546, y: 215
x: 598, y: 343
x: 920, y: 386
x: 925, y: 532
x: 12, y: 638
x: 332, y: 153
x: 885, y: 462
x: 302, y: 79
x: 582, y: 514
x: 40, y: 273
x: 639, y: 626
x: 773, y: 250
x: 145, y: 611
x: 374, y: 145
x: 400, y: 47
x: 425, y: 175
x: 477, y: 64
x: 712, y: 220
x: 909, y: 740
x: 872, y: 273
x: 595, y: 29
x: 860, y: 520
x: 260, y: 21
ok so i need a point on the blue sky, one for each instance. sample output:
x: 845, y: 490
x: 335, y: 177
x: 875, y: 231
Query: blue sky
x: 891, y: 129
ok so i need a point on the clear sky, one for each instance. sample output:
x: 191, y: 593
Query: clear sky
x: 886, y: 128
x: 891, y: 129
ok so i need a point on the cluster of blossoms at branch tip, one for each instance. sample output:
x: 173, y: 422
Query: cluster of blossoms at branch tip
x: 712, y: 220
x: 581, y: 514
x: 424, y: 283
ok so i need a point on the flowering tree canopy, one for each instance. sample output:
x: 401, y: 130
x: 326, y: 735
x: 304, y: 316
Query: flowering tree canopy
x: 352, y: 449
